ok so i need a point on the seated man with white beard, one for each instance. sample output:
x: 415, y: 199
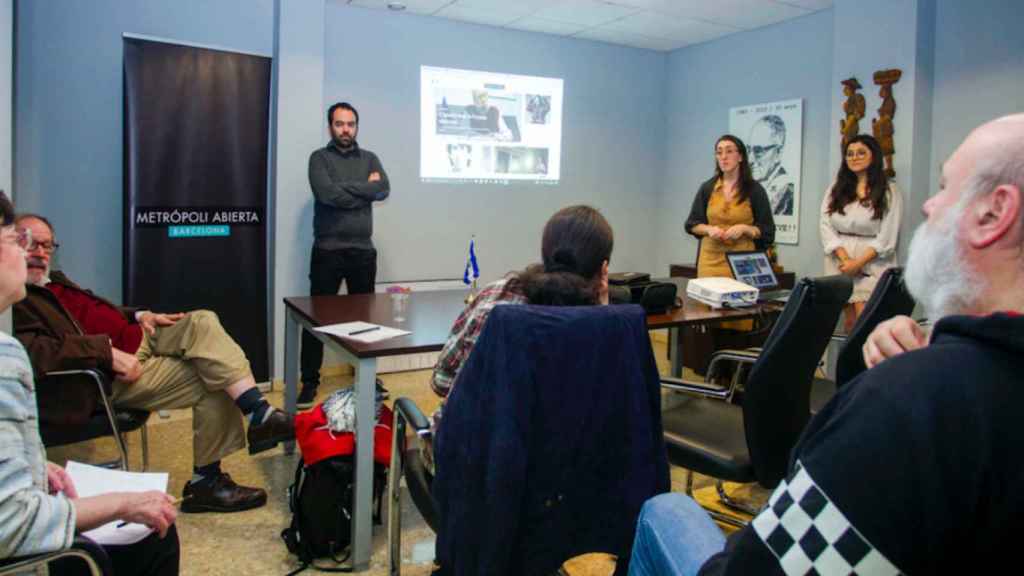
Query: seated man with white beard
x: 158, y: 361
x: 914, y: 466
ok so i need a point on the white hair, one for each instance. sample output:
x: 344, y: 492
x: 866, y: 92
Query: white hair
x: 1002, y: 161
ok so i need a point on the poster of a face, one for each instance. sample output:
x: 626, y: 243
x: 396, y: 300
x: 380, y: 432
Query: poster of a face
x: 773, y: 134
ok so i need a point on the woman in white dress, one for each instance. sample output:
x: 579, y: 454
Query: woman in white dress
x: 860, y: 222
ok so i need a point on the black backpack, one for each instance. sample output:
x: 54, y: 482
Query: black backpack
x: 320, y: 500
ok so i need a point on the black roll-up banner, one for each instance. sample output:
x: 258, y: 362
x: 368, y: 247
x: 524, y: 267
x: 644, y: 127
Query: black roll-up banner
x: 196, y: 126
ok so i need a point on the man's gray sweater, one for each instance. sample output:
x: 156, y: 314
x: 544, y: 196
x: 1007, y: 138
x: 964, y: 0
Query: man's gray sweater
x: 343, y: 210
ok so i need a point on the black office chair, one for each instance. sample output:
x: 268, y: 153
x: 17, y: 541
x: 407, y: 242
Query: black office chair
x: 751, y: 441
x: 889, y: 298
x: 86, y: 551
x: 61, y: 421
x: 576, y: 393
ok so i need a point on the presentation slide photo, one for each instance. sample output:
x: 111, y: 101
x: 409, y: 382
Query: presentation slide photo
x: 478, y: 114
x: 521, y: 160
x: 489, y: 127
x: 469, y: 159
x: 460, y: 158
x: 538, y: 106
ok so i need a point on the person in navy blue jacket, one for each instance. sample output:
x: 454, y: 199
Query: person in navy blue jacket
x: 552, y: 438
x: 914, y: 467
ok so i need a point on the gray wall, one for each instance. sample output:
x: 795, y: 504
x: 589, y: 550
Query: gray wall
x: 68, y: 109
x: 864, y: 43
x: 299, y: 78
x: 788, y: 60
x: 612, y: 151
x: 979, y: 69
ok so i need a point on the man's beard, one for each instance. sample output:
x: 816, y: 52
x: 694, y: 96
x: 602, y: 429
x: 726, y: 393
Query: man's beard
x: 33, y: 268
x: 345, y: 141
x: 936, y: 274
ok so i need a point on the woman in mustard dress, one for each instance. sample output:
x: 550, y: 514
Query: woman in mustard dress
x: 731, y: 212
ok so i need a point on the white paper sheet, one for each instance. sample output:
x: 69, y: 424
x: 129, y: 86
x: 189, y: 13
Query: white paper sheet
x: 376, y: 332
x: 94, y: 480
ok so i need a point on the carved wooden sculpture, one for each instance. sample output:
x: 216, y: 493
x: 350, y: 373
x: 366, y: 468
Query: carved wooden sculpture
x: 854, y: 108
x: 882, y: 126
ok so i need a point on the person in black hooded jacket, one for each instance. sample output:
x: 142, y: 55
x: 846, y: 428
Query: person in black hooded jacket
x: 914, y: 466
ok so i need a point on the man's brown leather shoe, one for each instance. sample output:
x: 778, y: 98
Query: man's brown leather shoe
x: 278, y: 427
x: 221, y: 494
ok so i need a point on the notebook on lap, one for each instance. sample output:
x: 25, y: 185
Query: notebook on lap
x: 754, y: 268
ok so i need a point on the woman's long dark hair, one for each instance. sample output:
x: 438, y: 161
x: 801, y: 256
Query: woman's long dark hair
x: 746, y: 181
x: 845, y: 189
x: 577, y: 241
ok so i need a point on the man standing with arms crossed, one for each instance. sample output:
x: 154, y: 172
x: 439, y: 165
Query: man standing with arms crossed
x: 346, y: 181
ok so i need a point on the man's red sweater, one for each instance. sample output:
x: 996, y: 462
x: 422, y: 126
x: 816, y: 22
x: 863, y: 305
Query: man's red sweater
x: 97, y: 317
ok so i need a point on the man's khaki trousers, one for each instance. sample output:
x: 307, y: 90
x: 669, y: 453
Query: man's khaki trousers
x: 188, y: 365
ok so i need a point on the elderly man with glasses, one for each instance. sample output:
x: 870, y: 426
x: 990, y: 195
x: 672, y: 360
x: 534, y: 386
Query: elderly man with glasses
x: 158, y: 361
x: 766, y: 142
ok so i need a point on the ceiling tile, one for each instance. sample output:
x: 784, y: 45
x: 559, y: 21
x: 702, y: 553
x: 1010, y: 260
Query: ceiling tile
x: 629, y: 39
x: 491, y: 17
x: 809, y: 4
x: 584, y: 12
x: 756, y: 13
x: 676, y: 28
x: 521, y: 6
x: 743, y: 14
x: 653, y: 24
x: 535, y: 24
x: 665, y: 6
x: 411, y: 6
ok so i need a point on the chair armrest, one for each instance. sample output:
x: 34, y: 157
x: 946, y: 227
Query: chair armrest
x: 99, y: 378
x: 709, y: 388
x: 747, y: 356
x: 406, y: 409
x: 408, y: 414
x: 697, y: 388
x: 91, y: 554
x: 101, y: 381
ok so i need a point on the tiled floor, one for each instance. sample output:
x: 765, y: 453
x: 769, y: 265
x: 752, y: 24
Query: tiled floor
x: 249, y: 542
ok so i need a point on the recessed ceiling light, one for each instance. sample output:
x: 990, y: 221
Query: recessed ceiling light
x: 396, y: 6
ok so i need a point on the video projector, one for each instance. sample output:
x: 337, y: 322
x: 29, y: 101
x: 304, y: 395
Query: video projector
x: 720, y: 292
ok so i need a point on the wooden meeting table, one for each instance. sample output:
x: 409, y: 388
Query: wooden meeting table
x: 429, y: 316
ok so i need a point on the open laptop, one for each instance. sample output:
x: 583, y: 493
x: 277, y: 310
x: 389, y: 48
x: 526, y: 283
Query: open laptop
x: 754, y: 268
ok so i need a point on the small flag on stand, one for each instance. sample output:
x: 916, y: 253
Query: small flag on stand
x: 472, y: 271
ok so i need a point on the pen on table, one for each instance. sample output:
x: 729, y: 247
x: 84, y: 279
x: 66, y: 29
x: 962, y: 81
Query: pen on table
x: 176, y: 501
x: 364, y: 331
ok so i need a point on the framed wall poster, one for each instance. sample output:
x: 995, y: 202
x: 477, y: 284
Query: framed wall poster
x: 773, y: 134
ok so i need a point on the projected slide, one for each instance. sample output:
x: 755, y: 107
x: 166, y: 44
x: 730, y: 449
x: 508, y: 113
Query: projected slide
x: 486, y: 127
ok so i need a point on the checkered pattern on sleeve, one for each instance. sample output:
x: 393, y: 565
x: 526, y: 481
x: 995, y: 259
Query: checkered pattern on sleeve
x: 810, y: 535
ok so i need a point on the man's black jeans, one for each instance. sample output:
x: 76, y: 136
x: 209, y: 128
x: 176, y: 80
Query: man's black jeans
x: 327, y: 269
